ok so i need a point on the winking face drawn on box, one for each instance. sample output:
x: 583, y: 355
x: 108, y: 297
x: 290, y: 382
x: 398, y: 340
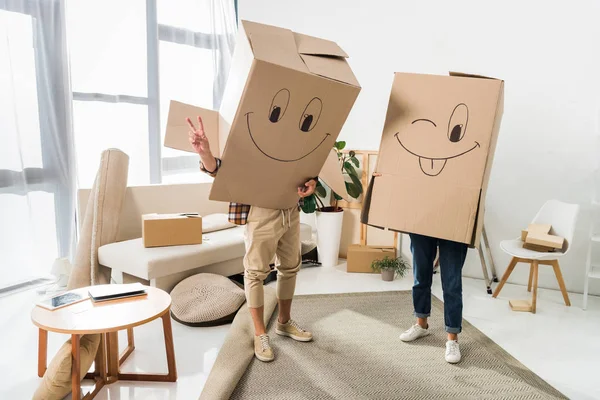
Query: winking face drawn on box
x: 435, y: 156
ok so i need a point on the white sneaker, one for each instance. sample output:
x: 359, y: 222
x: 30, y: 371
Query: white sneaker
x: 415, y: 332
x: 452, y: 352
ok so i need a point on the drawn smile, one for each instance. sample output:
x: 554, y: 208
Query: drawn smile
x: 433, y: 166
x: 275, y: 158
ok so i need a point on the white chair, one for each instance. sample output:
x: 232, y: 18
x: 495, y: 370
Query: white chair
x: 563, y: 217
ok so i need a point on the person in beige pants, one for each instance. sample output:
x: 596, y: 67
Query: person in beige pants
x: 269, y: 233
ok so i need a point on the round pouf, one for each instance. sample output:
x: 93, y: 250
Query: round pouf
x: 206, y: 300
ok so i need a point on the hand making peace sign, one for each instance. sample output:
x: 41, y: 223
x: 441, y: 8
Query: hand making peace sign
x: 198, y: 138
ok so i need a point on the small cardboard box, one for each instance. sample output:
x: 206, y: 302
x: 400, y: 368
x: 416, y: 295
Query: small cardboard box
x: 171, y: 230
x: 538, y: 228
x: 436, y: 155
x: 360, y: 256
x: 285, y: 102
x: 535, y: 247
x: 545, y: 240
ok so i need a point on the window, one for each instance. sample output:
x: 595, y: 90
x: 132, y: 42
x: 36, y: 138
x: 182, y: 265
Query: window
x: 128, y: 60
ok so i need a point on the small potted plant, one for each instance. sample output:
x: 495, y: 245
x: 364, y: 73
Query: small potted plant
x: 390, y: 268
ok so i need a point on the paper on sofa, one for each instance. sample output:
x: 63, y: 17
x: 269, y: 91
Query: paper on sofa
x: 436, y: 155
x: 285, y: 102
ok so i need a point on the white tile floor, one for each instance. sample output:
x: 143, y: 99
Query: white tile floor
x: 561, y: 344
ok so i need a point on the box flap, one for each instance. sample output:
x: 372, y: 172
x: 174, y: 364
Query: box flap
x: 177, y: 131
x: 465, y: 75
x: 274, y: 45
x: 315, y: 46
x: 335, y: 68
x: 331, y: 173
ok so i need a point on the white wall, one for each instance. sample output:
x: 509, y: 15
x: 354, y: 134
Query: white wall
x: 548, y: 52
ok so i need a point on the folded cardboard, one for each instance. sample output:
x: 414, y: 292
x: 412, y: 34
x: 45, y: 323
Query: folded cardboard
x: 539, y: 228
x: 436, y: 155
x: 360, y: 257
x: 544, y: 239
x: 538, y: 248
x: 171, y: 229
x: 285, y: 102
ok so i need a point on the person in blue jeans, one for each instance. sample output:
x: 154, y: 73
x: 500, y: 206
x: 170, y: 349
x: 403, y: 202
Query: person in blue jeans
x: 452, y: 258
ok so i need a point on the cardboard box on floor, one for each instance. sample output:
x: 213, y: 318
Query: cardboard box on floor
x: 171, y: 230
x: 360, y: 256
x: 285, y: 102
x: 436, y: 155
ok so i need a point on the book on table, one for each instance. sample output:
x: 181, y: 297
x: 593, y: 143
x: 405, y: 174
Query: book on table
x: 116, y: 291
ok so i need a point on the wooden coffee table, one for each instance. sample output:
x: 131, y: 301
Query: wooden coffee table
x: 106, y: 318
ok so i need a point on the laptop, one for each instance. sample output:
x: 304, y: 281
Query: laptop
x: 116, y: 291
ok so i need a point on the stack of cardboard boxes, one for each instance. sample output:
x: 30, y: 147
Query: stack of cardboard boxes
x: 537, y: 237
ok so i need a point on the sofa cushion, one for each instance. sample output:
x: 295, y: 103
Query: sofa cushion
x: 206, y: 300
x: 216, y: 222
x: 132, y: 257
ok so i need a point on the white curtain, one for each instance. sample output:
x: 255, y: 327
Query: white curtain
x: 59, y: 109
x: 37, y: 176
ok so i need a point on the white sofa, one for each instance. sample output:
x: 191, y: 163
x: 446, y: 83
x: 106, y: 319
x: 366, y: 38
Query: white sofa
x: 222, y: 251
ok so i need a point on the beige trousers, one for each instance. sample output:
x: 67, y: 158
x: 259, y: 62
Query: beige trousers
x: 271, y: 233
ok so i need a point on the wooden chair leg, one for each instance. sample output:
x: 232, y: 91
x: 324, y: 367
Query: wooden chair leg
x: 75, y: 368
x: 530, y: 277
x: 170, y: 348
x: 535, y: 266
x: 42, y: 352
x: 561, y: 282
x: 506, y: 275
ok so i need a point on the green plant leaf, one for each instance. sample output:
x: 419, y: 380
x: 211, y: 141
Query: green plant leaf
x: 355, y: 161
x: 353, y: 190
x: 350, y: 169
x: 340, y: 145
x: 321, y: 191
x: 352, y: 154
x: 357, y: 182
x: 310, y: 204
x: 337, y: 196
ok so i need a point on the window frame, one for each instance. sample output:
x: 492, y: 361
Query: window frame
x: 155, y: 33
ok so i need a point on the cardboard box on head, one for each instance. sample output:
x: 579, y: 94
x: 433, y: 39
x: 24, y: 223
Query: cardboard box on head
x: 285, y: 102
x: 436, y: 155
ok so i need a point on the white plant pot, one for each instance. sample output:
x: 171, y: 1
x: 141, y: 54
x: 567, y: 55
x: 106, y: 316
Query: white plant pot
x: 309, y: 219
x: 329, y: 234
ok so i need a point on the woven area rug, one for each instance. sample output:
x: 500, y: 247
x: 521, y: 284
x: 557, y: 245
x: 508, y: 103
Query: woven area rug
x: 356, y: 354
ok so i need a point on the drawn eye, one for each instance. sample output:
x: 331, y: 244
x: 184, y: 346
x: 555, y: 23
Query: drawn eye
x: 311, y: 115
x: 457, y: 126
x: 279, y: 105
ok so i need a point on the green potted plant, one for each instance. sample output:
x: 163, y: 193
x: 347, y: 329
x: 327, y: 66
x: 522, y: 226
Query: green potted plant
x: 390, y: 268
x: 329, y: 218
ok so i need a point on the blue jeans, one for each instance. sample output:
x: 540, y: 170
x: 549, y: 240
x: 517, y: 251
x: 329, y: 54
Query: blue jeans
x: 452, y: 259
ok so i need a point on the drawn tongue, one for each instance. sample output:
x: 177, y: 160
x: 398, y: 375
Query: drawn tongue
x: 432, y: 167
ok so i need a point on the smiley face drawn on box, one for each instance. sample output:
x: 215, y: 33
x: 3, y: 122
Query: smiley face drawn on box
x: 308, y: 120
